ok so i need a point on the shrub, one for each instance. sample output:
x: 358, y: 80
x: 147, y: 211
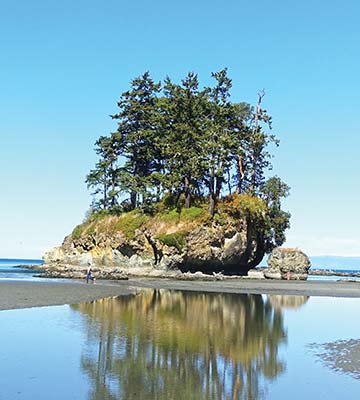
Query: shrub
x: 176, y: 239
x: 240, y: 205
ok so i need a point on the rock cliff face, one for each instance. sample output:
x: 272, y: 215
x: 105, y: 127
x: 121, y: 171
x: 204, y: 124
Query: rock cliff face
x: 232, y: 246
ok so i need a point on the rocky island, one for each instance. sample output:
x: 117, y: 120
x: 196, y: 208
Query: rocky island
x: 180, y: 240
x: 181, y: 185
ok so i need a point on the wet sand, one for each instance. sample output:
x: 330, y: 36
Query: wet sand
x: 20, y: 294
x: 340, y: 356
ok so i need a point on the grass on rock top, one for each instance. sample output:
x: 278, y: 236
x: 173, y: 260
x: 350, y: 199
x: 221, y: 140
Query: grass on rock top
x: 127, y: 223
x: 170, y: 225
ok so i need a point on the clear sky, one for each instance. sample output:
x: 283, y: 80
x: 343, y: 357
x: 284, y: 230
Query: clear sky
x: 63, y: 65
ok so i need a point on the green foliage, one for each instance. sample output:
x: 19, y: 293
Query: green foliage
x: 220, y: 218
x: 96, y: 216
x: 263, y: 214
x: 198, y: 214
x: 180, y: 139
x: 104, y: 178
x: 278, y: 220
x: 177, y: 143
x: 129, y: 222
x: 176, y: 239
x: 77, y: 231
x: 169, y: 216
x: 91, y: 224
x: 104, y: 222
x: 238, y: 206
x: 177, y: 215
x: 168, y: 202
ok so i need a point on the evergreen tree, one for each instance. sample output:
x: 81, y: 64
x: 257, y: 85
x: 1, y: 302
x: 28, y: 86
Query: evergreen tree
x: 217, y: 141
x: 185, y: 126
x: 104, y: 177
x: 258, y: 141
x: 137, y: 126
x: 181, y: 140
x: 273, y: 190
x: 239, y: 132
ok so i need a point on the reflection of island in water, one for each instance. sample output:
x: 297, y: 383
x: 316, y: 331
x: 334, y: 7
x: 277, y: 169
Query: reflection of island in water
x: 182, y: 345
x: 290, y: 302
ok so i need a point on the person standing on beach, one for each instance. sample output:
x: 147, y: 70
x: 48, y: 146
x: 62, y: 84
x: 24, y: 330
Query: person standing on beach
x: 89, y: 274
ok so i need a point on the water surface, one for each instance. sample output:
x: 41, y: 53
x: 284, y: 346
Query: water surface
x: 163, y: 344
x: 16, y: 268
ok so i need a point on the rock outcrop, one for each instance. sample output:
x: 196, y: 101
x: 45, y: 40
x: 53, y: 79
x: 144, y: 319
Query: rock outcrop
x: 287, y: 263
x: 232, y: 246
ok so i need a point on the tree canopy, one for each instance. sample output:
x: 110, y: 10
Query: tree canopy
x: 187, y: 143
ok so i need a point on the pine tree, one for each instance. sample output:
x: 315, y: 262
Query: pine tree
x: 185, y: 126
x: 181, y: 140
x: 273, y: 191
x: 258, y: 143
x: 217, y: 142
x: 104, y: 177
x: 137, y: 127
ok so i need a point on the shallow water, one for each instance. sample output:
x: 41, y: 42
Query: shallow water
x: 162, y: 344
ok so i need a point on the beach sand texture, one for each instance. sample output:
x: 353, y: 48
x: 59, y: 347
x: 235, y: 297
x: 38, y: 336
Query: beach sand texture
x: 17, y: 294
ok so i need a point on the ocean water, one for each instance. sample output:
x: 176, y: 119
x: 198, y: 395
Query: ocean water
x: 336, y: 263
x: 335, y: 277
x: 163, y: 344
x: 13, y: 268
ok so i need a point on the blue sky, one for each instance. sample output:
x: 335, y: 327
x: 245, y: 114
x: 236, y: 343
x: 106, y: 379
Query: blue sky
x: 64, y: 65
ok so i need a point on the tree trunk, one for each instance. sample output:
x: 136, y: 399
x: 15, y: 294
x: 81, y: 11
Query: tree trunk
x: 212, y: 205
x: 219, y: 183
x: 255, y: 130
x: 187, y: 192
x: 253, y: 174
x: 212, y: 194
x: 105, y: 196
x: 241, y: 174
x: 113, y: 184
x: 229, y: 180
x: 133, y: 197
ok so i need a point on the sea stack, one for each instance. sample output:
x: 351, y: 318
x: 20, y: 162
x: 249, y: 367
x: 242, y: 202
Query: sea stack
x: 287, y: 263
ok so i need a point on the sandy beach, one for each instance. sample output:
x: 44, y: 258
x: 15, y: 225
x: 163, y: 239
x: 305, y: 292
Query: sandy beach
x: 20, y: 294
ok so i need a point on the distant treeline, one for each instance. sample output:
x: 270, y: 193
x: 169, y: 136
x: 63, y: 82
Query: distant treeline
x: 186, y: 143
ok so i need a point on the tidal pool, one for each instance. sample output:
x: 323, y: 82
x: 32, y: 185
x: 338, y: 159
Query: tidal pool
x: 163, y: 344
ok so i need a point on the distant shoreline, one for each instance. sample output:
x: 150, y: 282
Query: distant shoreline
x: 18, y: 294
x: 334, y: 272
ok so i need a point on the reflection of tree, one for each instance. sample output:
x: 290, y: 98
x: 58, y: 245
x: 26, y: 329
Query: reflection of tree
x: 281, y: 302
x: 181, y: 345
